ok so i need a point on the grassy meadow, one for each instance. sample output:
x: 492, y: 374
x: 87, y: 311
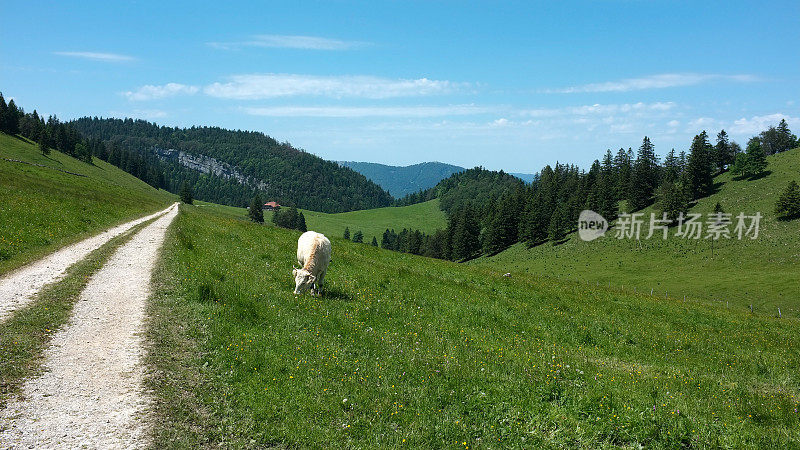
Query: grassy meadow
x: 405, y: 351
x: 42, y: 209
x: 764, y: 272
x: 425, y: 216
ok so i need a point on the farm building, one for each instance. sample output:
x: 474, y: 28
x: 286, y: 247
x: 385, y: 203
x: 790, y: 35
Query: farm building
x: 272, y: 206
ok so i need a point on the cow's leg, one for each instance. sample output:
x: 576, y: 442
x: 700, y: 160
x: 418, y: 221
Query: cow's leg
x: 318, y: 283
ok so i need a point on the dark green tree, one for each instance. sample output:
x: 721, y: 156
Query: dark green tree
x: 501, y: 232
x: 358, y: 237
x: 645, y: 176
x: 465, y: 234
x: 788, y: 205
x: 557, y: 229
x: 300, y: 222
x: 785, y: 140
x: 347, y: 233
x: 741, y: 165
x: 756, y: 158
x: 43, y: 147
x: 374, y: 241
x: 699, y: 175
x: 723, y: 152
x: 256, y: 210
x: 186, y: 194
x: 671, y: 198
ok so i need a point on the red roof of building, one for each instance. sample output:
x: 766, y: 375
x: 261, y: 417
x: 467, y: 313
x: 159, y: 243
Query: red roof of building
x: 272, y: 204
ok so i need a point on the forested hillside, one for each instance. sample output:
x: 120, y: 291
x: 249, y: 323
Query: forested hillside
x: 401, y: 181
x: 230, y: 167
x: 490, y: 211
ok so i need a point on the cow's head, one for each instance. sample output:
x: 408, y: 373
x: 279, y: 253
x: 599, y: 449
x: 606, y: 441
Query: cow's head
x: 303, y: 280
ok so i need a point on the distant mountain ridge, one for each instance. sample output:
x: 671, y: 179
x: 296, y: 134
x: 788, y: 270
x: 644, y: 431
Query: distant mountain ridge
x: 232, y: 166
x: 402, y: 180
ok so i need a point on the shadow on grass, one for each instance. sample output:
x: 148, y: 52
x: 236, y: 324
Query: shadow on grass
x: 335, y: 292
x: 759, y: 176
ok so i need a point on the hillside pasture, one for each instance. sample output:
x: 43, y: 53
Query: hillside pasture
x: 408, y: 351
x: 45, y: 208
x: 764, y: 272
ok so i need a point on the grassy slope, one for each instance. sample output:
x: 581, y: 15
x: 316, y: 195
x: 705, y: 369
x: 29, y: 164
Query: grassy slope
x: 425, y: 216
x: 404, y: 350
x: 372, y: 222
x: 763, y: 272
x: 42, y: 209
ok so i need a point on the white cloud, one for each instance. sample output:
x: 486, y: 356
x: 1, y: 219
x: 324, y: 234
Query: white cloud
x: 263, y: 86
x: 151, y: 92
x: 365, y: 111
x: 289, y: 41
x: 702, y: 122
x: 757, y: 124
x: 96, y: 56
x: 660, y: 81
x: 584, y: 110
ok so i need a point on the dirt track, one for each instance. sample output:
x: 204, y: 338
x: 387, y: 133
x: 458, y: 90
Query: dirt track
x: 20, y: 286
x: 90, y: 394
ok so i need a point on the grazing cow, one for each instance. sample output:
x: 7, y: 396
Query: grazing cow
x: 313, y: 255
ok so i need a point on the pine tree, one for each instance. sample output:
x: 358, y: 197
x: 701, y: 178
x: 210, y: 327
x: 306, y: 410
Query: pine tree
x: 671, y: 198
x: 699, y: 167
x: 256, y: 210
x: 756, y: 159
x: 501, y: 231
x: 186, y: 193
x: 740, y: 165
x: 12, y: 118
x: 788, y: 205
x: 347, y: 233
x: 300, y: 223
x: 374, y: 241
x: 466, y: 235
x: 43, y: 145
x: 358, y: 236
x: 785, y: 139
x: 557, y: 229
x: 644, y: 178
x: 723, y: 154
x: 622, y: 167
x: 3, y: 114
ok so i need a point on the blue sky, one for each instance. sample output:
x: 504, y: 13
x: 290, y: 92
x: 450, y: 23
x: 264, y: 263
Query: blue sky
x: 506, y: 85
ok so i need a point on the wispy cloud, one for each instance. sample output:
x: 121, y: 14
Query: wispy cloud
x: 263, y: 86
x: 661, y: 81
x: 151, y: 92
x: 596, y: 109
x: 97, y: 56
x: 757, y: 124
x: 290, y: 41
x: 366, y: 111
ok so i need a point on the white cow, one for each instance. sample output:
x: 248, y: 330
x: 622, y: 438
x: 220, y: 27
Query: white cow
x: 313, y: 255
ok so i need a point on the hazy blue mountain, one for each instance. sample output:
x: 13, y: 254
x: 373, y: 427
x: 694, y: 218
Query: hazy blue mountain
x: 526, y: 177
x: 400, y: 181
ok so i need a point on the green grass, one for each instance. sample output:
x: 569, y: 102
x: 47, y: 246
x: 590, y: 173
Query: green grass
x: 408, y: 351
x: 425, y: 216
x: 763, y: 272
x: 27, y: 332
x: 42, y: 209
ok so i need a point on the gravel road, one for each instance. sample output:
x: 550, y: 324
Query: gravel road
x: 20, y: 286
x: 90, y: 394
